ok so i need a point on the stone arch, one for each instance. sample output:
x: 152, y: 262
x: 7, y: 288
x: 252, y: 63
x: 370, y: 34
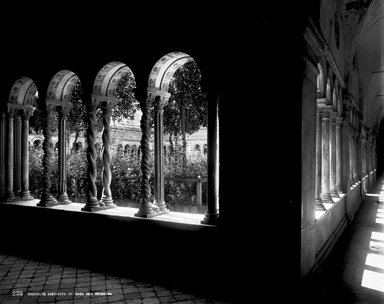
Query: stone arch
x: 103, y: 96
x: 126, y: 149
x: 58, y: 98
x: 61, y: 86
x: 24, y: 92
x: 107, y: 79
x: 21, y: 105
x: 163, y: 70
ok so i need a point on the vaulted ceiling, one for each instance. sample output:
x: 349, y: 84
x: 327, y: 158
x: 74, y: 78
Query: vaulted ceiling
x: 368, y: 47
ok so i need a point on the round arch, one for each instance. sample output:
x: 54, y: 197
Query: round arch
x: 163, y: 70
x: 107, y: 79
x: 24, y: 92
x: 61, y: 86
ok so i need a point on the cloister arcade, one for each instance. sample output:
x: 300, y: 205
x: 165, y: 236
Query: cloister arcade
x: 14, y: 148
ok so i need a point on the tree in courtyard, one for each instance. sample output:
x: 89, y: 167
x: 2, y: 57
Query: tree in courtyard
x: 187, y: 107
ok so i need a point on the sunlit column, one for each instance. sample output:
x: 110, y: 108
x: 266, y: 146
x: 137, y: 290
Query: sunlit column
x: 339, y: 188
x: 10, y: 157
x: 2, y: 154
x: 332, y: 155
x: 17, y: 156
x: 160, y: 102
x: 106, y: 197
x: 319, y: 121
x: 212, y: 214
x: 25, y: 194
x: 62, y: 195
x: 47, y: 199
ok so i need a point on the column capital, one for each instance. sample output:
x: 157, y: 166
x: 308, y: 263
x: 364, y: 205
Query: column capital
x: 27, y: 112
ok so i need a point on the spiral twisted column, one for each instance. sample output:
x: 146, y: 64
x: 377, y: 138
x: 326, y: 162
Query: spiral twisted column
x: 46, y: 197
x: 106, y: 197
x: 25, y: 194
x: 9, y: 187
x: 63, y: 196
x: 159, y: 155
x: 92, y: 202
x: 146, y: 208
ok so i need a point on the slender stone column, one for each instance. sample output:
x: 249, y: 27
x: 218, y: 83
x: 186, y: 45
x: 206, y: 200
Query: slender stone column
x: 354, y: 142
x: 350, y: 134
x: 10, y: 157
x: 339, y: 188
x: 146, y: 208
x: 25, y: 194
x: 47, y: 199
x: 332, y: 155
x: 63, y: 196
x: 106, y: 198
x: 17, y: 155
x: 92, y: 202
x: 159, y: 155
x: 319, y: 121
x: 325, y: 174
x: 212, y: 215
x: 2, y: 154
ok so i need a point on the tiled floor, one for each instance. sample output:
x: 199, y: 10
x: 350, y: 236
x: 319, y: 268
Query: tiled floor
x: 355, y: 272
x: 27, y: 281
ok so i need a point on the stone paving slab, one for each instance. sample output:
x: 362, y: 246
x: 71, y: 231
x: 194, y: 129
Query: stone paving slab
x: 26, y: 281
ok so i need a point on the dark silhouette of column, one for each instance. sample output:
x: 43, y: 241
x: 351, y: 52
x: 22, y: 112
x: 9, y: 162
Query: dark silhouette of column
x: 159, y: 155
x: 106, y: 198
x: 212, y: 215
x: 17, y: 156
x: 319, y: 121
x: 25, y: 194
x: 63, y: 196
x: 3, y: 126
x: 47, y: 199
x: 92, y: 202
x: 10, y: 157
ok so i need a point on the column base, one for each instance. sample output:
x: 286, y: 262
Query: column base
x: 149, y: 210
x: 334, y: 194
x: 162, y: 207
x: 63, y: 199
x: 319, y: 205
x: 26, y: 196
x: 10, y: 197
x: 107, y: 202
x: 97, y: 208
x: 47, y: 202
x: 210, y: 219
x: 326, y: 198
